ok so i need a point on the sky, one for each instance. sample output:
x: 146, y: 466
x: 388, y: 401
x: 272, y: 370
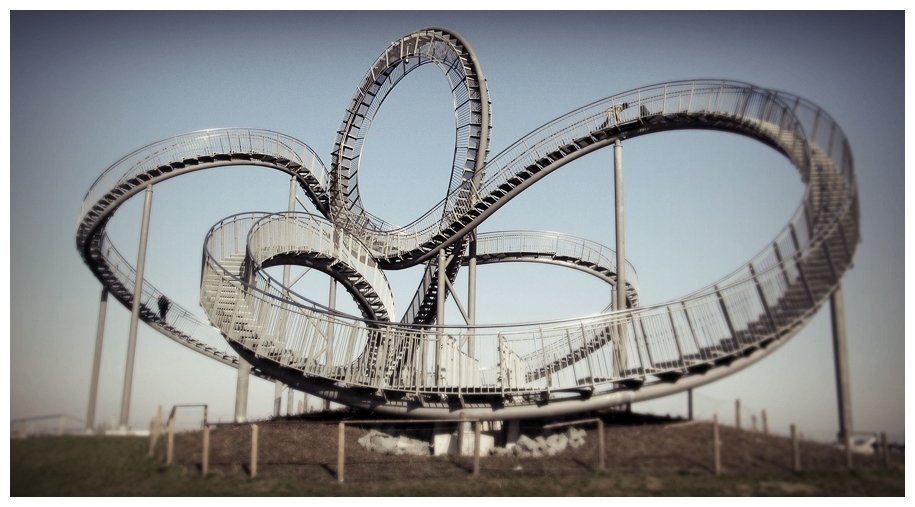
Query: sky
x: 87, y: 88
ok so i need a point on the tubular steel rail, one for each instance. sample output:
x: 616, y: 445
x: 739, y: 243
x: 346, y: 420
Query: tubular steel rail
x: 423, y: 369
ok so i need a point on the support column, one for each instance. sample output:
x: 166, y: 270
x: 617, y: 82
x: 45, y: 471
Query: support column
x: 96, y: 361
x: 620, y: 292
x: 332, y: 304
x: 843, y: 382
x: 278, y: 387
x: 135, y: 311
x: 290, y: 401
x: 440, y: 312
x: 472, y: 293
x: 241, y: 391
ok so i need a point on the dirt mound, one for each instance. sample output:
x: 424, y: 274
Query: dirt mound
x: 307, y: 450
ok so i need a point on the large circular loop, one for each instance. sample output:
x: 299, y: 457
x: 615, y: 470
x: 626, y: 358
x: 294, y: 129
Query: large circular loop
x: 458, y: 63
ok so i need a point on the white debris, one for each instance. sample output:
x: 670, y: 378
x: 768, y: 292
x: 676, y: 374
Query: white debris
x: 398, y: 444
x: 550, y: 445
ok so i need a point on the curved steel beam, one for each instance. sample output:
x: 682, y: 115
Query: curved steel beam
x: 521, y: 370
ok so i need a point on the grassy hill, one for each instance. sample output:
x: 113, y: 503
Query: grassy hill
x: 645, y: 456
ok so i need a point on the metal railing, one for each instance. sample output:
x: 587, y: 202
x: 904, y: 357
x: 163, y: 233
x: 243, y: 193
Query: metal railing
x: 749, y: 104
x: 196, y: 147
x: 559, y: 248
x: 304, y: 234
x: 763, y: 302
x: 177, y: 323
x: 458, y: 63
x: 756, y: 304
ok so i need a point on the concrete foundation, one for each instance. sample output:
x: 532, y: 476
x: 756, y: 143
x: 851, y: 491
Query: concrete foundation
x: 445, y: 440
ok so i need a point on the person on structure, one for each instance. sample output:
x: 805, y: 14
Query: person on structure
x: 164, y: 304
x: 613, y: 112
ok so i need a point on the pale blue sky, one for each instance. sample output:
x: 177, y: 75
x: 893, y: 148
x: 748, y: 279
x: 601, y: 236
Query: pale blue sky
x: 88, y: 88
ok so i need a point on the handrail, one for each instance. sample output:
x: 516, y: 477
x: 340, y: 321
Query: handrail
x: 647, y: 341
x: 720, y: 97
x: 735, y: 321
x: 558, y: 245
x: 302, y: 233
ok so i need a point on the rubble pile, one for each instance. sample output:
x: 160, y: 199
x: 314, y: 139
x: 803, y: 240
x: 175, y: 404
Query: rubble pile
x: 549, y: 445
x: 395, y: 443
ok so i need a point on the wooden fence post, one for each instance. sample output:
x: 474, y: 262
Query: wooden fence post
x: 849, y: 442
x: 152, y: 436
x: 341, y: 442
x: 170, y: 448
x: 477, y: 427
x: 737, y: 414
x: 156, y: 430
x: 797, y: 449
x: 460, y: 435
x: 205, y: 465
x: 716, y: 445
x: 600, y: 444
x: 253, y: 451
x: 885, y: 449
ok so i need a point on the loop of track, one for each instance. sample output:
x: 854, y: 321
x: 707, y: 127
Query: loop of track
x: 520, y: 370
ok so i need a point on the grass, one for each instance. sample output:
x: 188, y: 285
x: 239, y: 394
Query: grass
x: 119, y: 466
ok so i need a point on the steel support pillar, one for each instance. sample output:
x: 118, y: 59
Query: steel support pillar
x: 620, y: 292
x: 332, y: 304
x: 97, y: 361
x: 472, y: 293
x: 241, y: 391
x: 440, y: 312
x: 278, y: 386
x: 620, y: 224
x: 290, y: 401
x: 843, y: 382
x: 135, y: 310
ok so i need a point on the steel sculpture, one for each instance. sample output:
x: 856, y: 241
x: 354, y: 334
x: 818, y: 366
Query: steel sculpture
x: 421, y: 367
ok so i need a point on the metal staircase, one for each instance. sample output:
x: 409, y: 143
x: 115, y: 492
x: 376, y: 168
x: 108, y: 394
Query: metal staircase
x: 517, y: 370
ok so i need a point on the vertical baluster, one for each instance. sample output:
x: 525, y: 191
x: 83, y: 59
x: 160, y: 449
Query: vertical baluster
x: 673, y: 326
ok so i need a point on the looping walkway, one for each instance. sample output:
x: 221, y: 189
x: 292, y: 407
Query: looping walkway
x: 501, y: 371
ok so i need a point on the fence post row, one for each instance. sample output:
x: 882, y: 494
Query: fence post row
x: 716, y: 444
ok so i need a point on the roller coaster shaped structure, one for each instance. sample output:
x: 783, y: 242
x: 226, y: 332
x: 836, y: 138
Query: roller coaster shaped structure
x: 420, y: 368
